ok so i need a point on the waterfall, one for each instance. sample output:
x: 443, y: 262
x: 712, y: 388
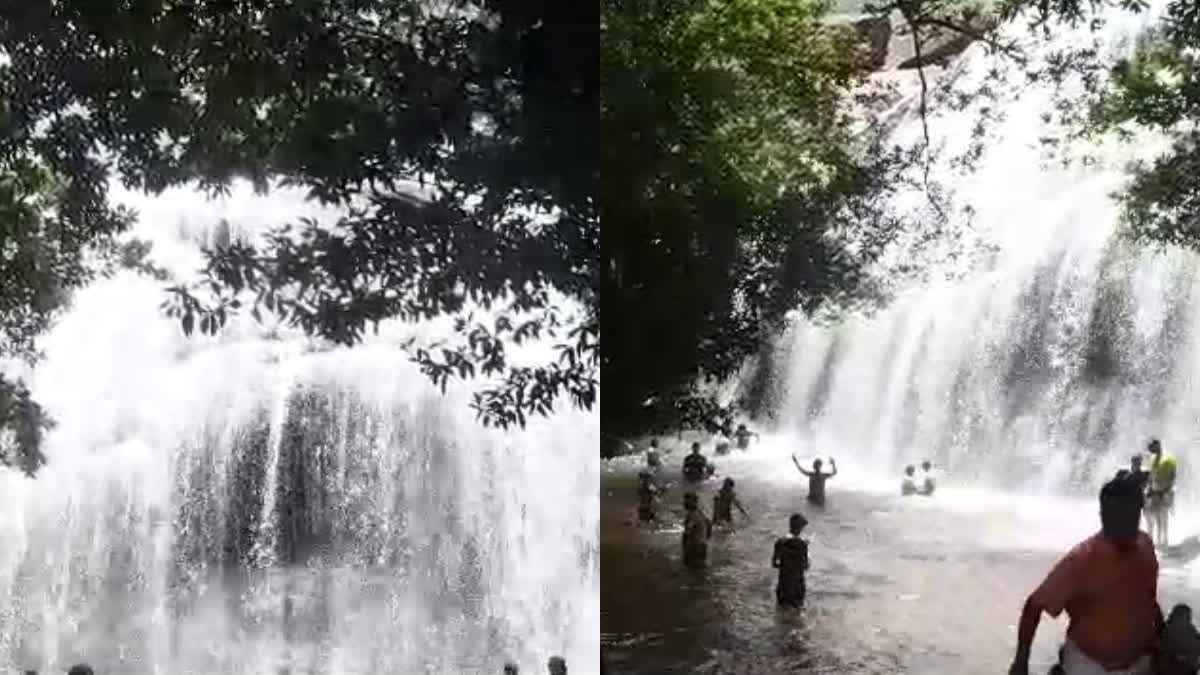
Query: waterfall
x: 1039, y: 365
x: 259, y: 500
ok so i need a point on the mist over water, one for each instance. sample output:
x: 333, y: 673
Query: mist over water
x: 256, y: 500
x: 1042, y: 349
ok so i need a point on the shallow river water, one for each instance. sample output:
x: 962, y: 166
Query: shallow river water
x: 897, y: 585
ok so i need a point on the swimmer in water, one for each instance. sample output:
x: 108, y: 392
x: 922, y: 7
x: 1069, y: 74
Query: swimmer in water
x: 816, y: 479
x: 557, y: 665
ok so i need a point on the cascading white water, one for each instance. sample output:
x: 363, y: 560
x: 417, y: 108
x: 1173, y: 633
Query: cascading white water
x: 1041, y: 369
x: 257, y: 500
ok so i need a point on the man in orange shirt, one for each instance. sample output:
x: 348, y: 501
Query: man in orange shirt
x: 1109, y: 586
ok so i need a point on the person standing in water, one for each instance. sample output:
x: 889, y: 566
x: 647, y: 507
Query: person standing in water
x: 742, y: 436
x: 928, y: 485
x: 723, y: 503
x: 1160, y: 496
x: 647, y: 493
x: 696, y: 466
x: 790, y: 557
x: 653, y: 459
x: 697, y: 528
x: 908, y: 486
x: 1108, y: 584
x: 816, y: 479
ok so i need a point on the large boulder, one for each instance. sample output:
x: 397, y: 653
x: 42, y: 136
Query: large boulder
x: 875, y: 35
x: 938, y: 44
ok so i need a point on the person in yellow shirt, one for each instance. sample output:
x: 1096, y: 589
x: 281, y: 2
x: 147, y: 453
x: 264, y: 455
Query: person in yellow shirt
x: 1160, y: 496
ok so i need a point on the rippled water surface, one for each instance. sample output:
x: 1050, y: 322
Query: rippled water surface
x: 897, y: 585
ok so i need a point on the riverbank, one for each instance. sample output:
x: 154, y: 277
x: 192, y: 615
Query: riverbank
x: 897, y: 585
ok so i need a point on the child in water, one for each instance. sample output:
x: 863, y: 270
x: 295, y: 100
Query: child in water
x: 791, y: 559
x: 723, y: 503
x: 816, y: 479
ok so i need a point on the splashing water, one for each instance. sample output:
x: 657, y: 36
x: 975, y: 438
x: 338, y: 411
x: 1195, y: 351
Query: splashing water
x: 1039, y: 370
x: 258, y: 500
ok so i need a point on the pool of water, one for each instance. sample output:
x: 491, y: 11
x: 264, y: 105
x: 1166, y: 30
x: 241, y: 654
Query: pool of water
x: 913, y: 585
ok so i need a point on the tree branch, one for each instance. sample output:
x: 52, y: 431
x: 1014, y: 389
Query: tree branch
x: 916, y: 39
x: 1009, y: 50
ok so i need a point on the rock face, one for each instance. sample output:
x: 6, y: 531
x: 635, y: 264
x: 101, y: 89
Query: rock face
x: 876, y: 35
x: 940, y: 44
x: 889, y: 47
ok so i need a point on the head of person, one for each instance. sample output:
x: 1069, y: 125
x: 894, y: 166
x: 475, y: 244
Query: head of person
x: 1154, y: 447
x: 510, y: 668
x: 908, y: 470
x: 1121, y: 510
x: 1180, y: 613
x: 1135, y: 463
x: 797, y: 523
x: 926, y: 465
x: 741, y: 428
x: 690, y: 501
x: 695, y: 448
x: 654, y: 443
x: 81, y: 669
x: 728, y: 484
x: 817, y: 464
x: 557, y: 665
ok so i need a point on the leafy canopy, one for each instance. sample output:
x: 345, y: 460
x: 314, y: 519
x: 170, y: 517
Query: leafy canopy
x: 1156, y: 89
x: 489, y: 104
x: 737, y: 184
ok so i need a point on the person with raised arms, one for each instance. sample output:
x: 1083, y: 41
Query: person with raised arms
x: 816, y: 479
